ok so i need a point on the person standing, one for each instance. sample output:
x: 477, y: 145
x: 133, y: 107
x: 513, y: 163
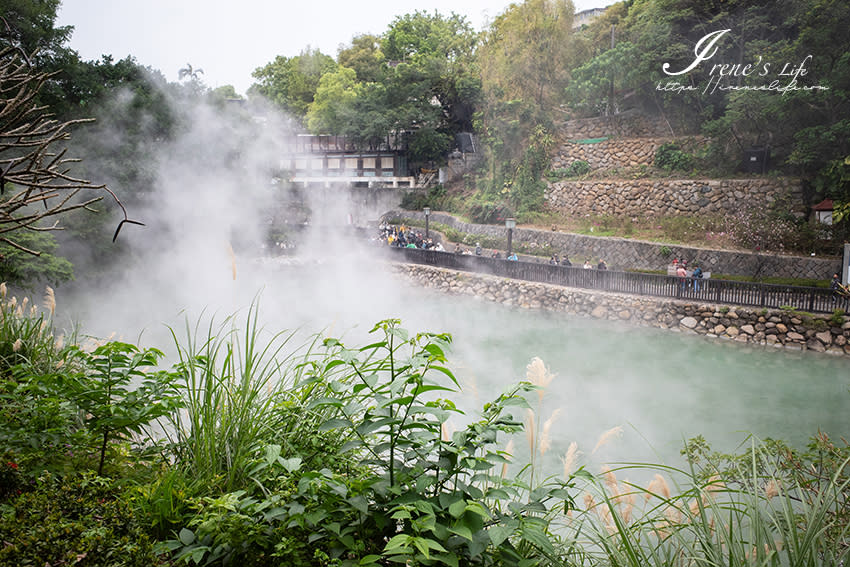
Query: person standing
x: 697, y: 277
x: 683, y: 275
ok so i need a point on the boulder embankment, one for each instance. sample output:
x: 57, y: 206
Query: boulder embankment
x: 769, y: 327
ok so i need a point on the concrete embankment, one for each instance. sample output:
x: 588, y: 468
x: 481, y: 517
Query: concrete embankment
x: 769, y: 327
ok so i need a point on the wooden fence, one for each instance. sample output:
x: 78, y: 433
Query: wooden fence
x: 810, y: 299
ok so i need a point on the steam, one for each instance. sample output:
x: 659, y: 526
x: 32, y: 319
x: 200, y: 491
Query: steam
x: 204, y: 254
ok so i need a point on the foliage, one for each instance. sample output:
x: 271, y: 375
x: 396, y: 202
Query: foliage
x: 24, y: 269
x: 35, y: 180
x: 416, y: 494
x: 291, y: 82
x: 417, y: 200
x: 115, y: 394
x: 763, y: 506
x: 333, y: 101
x: 670, y: 156
x: 364, y: 56
x: 77, y: 520
x: 240, y: 393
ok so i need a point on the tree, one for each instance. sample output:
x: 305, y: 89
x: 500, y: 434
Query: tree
x: 434, y: 56
x: 36, y: 184
x: 291, y: 82
x: 333, y: 102
x: 29, y: 27
x: 526, y: 53
x: 364, y: 55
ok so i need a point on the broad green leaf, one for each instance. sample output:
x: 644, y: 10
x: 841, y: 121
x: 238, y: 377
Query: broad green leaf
x: 359, y: 503
x: 462, y: 531
x: 398, y: 542
x: 186, y: 536
x: 456, y: 509
x: 498, y: 534
x: 335, y: 423
x: 291, y: 465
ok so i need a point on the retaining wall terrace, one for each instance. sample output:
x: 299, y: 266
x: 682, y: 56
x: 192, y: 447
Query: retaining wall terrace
x: 616, y: 153
x: 662, y: 197
x: 630, y: 124
x: 774, y: 328
x: 624, y: 253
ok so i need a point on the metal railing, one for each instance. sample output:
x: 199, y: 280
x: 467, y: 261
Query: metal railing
x: 771, y: 296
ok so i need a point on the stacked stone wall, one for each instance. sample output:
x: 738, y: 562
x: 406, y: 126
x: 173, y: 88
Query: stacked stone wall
x: 617, y: 153
x: 771, y: 328
x: 660, y: 197
x: 625, y: 125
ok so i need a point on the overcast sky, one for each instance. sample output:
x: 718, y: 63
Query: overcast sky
x: 229, y: 39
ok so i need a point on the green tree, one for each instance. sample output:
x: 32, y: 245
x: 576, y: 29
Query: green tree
x: 30, y: 27
x: 333, y: 104
x: 25, y: 269
x: 526, y: 54
x: 364, y: 55
x: 437, y: 53
x: 291, y: 82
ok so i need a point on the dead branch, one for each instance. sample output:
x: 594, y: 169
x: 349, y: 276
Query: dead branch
x: 36, y: 183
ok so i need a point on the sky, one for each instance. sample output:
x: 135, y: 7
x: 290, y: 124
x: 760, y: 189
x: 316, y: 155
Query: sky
x: 228, y: 39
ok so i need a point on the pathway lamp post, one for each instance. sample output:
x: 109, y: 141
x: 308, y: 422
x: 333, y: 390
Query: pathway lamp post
x: 510, y: 224
x: 427, y: 211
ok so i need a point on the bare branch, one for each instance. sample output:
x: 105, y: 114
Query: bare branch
x: 38, y: 175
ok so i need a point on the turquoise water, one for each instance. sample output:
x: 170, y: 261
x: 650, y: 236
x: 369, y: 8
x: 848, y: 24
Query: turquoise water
x: 662, y: 387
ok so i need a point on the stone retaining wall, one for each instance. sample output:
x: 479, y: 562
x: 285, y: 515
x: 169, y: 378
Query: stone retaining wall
x: 617, y: 152
x: 660, y: 197
x: 775, y: 328
x: 626, y: 125
x: 624, y: 253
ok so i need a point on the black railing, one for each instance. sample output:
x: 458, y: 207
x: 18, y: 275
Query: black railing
x: 771, y: 296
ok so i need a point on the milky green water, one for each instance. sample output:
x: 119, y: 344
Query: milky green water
x: 661, y: 386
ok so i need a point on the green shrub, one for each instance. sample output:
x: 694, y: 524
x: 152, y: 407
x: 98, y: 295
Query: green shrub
x: 670, y: 156
x: 80, y: 520
x: 837, y: 318
x: 410, y: 492
x: 578, y: 168
x: 418, y: 199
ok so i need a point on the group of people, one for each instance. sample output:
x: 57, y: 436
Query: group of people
x: 404, y: 237
x: 694, y: 278
x: 565, y: 261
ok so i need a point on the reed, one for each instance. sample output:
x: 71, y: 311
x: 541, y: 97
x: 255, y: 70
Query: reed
x: 763, y: 521
x: 241, y: 393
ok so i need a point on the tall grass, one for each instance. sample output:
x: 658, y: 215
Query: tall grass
x: 242, y: 392
x: 763, y: 519
x: 27, y: 334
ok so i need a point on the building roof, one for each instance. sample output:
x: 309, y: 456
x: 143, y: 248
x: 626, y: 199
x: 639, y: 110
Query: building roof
x: 825, y: 205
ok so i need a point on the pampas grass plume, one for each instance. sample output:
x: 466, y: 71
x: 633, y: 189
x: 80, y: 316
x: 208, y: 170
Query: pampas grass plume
x: 611, y: 481
x: 545, y: 440
x: 570, y: 459
x: 50, y: 300
x: 16, y: 346
x: 537, y: 373
x: 771, y: 489
x: 658, y: 486
x: 607, y: 436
